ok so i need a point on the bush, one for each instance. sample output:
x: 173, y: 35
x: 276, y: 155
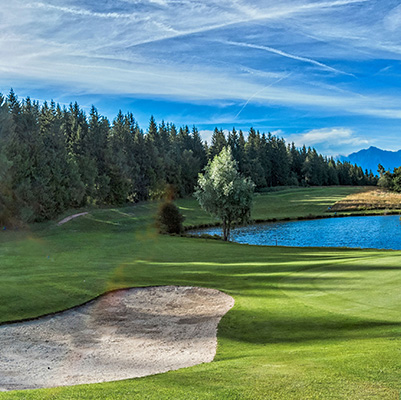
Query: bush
x: 169, y: 218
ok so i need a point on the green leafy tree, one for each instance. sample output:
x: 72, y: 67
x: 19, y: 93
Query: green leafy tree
x: 224, y: 193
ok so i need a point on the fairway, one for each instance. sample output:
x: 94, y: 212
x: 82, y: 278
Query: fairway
x: 308, y: 323
x: 356, y: 290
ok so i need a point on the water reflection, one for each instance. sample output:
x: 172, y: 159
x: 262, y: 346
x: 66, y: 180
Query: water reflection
x: 379, y: 232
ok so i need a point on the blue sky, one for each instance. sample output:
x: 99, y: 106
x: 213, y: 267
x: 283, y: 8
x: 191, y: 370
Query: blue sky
x: 326, y: 73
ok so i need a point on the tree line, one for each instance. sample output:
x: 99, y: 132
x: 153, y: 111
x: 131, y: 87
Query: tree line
x: 390, y: 180
x: 54, y: 158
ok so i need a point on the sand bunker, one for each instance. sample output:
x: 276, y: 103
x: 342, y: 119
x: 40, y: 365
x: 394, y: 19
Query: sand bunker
x: 124, y: 334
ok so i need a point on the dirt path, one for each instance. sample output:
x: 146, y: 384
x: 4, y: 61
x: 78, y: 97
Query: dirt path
x: 69, y: 218
x: 124, y: 334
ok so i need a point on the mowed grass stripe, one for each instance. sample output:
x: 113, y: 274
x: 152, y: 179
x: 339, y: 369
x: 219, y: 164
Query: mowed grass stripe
x: 280, y: 341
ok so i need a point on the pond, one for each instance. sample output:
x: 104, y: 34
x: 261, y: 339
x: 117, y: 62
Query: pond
x: 378, y: 232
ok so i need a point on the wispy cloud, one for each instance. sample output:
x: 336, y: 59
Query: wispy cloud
x: 82, y: 11
x: 393, y: 19
x: 312, y: 59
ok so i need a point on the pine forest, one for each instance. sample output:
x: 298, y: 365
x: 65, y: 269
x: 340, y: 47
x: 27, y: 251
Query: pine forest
x: 55, y: 158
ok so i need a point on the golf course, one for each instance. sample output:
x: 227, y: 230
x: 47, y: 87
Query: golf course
x: 307, y: 323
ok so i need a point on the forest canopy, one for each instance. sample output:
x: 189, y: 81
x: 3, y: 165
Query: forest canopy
x: 54, y: 158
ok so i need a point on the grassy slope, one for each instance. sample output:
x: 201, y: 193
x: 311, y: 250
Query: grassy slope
x: 288, y: 203
x: 307, y: 323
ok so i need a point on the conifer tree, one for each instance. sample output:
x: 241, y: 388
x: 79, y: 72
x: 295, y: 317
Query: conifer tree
x: 7, y: 198
x: 52, y: 159
x: 217, y: 144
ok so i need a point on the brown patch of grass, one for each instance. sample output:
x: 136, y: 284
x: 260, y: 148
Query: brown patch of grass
x: 372, y: 198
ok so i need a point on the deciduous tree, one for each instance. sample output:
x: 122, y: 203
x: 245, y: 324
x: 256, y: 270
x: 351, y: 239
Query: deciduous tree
x: 224, y: 192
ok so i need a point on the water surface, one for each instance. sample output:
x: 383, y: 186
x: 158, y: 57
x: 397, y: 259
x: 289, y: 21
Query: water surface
x: 378, y: 232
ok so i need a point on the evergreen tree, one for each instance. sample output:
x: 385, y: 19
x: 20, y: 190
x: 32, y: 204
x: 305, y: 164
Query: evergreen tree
x: 140, y: 154
x: 52, y: 159
x: 164, y: 138
x: 65, y: 189
x: 233, y: 142
x: 23, y: 150
x: 122, y: 166
x: 241, y: 151
x: 97, y: 150
x: 296, y: 162
x: 280, y: 162
x: 7, y: 198
x: 218, y: 143
x: 332, y: 173
x: 253, y: 156
x: 264, y: 154
x: 198, y: 148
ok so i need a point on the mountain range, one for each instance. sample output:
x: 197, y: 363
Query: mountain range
x: 370, y: 158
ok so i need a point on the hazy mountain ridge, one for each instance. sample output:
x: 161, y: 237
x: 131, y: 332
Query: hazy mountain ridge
x: 370, y: 158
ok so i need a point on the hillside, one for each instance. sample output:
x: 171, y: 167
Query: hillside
x: 370, y: 158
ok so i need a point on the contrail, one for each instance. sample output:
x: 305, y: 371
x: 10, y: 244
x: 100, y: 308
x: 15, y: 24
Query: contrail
x: 259, y: 91
x: 288, y: 55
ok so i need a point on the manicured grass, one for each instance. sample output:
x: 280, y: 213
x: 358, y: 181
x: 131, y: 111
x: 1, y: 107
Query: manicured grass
x: 287, y: 203
x: 308, y: 323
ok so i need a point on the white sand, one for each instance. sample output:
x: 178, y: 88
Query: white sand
x: 124, y: 334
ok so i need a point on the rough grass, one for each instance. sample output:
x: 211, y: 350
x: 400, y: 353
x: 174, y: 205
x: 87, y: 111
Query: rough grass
x: 372, y: 198
x: 308, y: 323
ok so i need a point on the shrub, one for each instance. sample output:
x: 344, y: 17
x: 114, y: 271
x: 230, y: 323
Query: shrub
x: 169, y: 218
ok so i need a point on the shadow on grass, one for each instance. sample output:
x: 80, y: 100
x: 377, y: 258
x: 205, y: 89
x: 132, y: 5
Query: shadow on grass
x: 264, y: 314
x: 257, y: 327
x: 253, y: 327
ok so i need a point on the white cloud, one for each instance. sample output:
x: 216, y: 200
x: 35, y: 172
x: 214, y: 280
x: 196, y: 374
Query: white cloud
x: 206, y: 135
x: 277, y: 132
x: 330, y: 141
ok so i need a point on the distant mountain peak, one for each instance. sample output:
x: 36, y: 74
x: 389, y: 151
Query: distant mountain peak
x: 373, y: 156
